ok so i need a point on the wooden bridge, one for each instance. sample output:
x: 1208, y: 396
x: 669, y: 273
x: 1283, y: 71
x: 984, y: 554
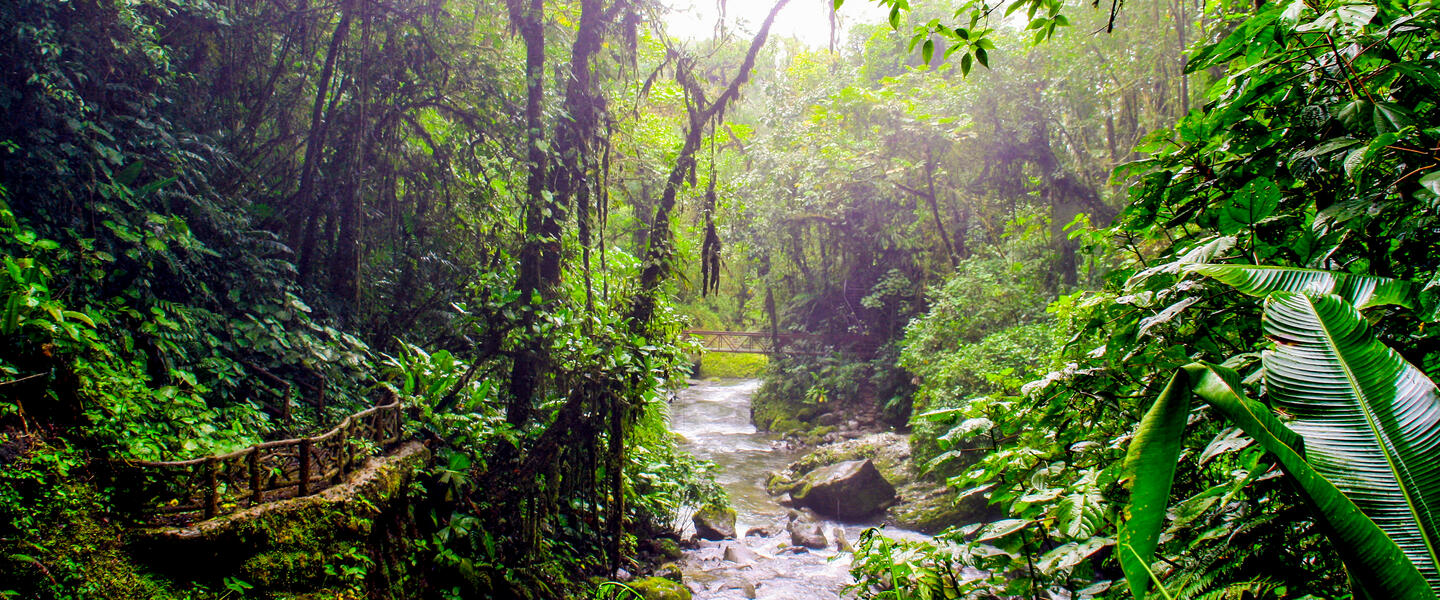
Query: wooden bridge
x: 214, y: 485
x: 788, y: 343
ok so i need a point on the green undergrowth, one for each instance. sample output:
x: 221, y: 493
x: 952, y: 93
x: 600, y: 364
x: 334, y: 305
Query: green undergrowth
x: 58, y: 535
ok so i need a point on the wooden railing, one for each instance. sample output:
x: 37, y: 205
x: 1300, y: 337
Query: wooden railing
x: 216, y: 485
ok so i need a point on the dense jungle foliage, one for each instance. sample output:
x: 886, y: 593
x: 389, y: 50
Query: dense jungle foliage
x: 227, y: 222
x: 1029, y: 233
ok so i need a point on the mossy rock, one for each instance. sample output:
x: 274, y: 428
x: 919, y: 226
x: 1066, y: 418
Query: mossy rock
x: 784, y: 425
x: 659, y: 588
x: 715, y: 523
x: 670, y: 571
x: 779, y: 484
x: 847, y: 490
x: 668, y: 548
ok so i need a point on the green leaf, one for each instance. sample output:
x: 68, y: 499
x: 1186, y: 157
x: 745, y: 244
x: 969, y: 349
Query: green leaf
x: 1252, y: 204
x: 1080, y: 515
x: 983, y: 57
x: 1391, y: 117
x: 1431, y: 182
x: 965, y: 63
x: 1374, y: 561
x: 1371, y: 420
x: 1067, y: 556
x: 1364, y: 291
x: 1001, y: 528
x: 1150, y: 469
x: 130, y: 173
x: 927, y: 52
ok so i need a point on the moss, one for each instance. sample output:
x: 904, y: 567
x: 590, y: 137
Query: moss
x: 283, y: 570
x: 668, y: 548
x: 779, y: 484
x: 783, y: 425
x: 773, y: 408
x: 659, y: 588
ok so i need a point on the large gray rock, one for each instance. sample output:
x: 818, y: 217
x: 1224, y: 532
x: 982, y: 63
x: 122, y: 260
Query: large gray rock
x: 713, y: 523
x: 847, y: 490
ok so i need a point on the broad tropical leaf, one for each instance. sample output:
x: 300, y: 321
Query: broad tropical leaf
x: 1364, y: 291
x: 1371, y: 420
x: 1375, y: 561
x: 1150, y: 469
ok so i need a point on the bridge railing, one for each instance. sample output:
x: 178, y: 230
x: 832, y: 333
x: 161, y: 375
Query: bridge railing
x: 220, y: 484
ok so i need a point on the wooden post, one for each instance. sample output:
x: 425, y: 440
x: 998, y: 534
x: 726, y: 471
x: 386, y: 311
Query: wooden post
x: 212, y: 485
x: 342, y: 453
x: 256, y: 494
x: 305, y: 447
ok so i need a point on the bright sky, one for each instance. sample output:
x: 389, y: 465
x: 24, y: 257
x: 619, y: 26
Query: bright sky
x: 807, y: 20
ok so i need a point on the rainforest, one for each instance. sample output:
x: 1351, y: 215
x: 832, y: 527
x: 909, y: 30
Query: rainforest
x: 720, y: 299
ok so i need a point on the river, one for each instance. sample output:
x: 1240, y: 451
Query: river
x: 713, y: 417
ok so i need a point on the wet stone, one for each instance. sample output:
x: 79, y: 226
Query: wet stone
x: 807, y: 534
x: 713, y: 523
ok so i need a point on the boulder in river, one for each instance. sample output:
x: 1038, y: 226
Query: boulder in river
x: 713, y: 523
x: 807, y: 534
x: 847, y: 490
x: 739, y: 554
x: 656, y: 588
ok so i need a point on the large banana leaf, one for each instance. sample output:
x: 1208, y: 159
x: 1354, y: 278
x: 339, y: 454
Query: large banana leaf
x: 1364, y: 291
x: 1371, y: 420
x: 1376, y: 563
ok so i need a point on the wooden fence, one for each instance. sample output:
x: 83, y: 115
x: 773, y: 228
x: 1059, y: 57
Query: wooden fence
x: 216, y: 485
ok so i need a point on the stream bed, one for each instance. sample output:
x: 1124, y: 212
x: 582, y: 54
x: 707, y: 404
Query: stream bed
x: 713, y: 417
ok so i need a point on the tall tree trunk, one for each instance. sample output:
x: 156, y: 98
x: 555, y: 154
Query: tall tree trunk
x: 344, y: 277
x: 524, y: 374
x: 302, y: 228
x: 935, y: 207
